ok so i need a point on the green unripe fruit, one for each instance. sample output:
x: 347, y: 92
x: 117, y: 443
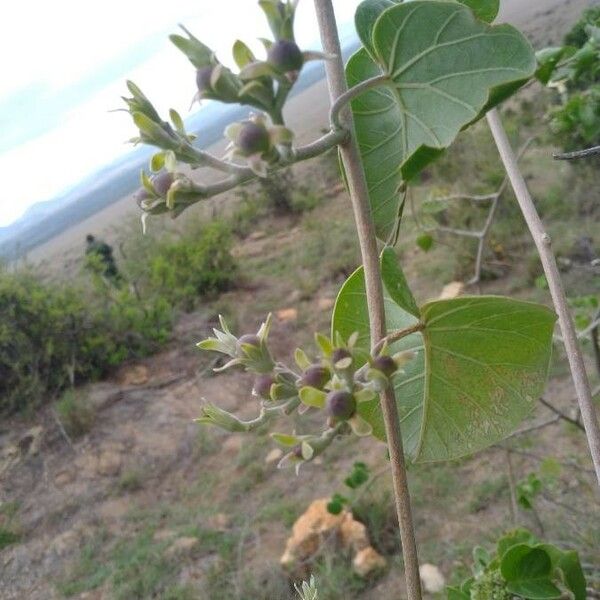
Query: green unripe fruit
x: 385, y: 364
x: 262, y: 386
x: 162, y: 182
x: 252, y: 138
x: 203, y: 79
x: 341, y: 405
x: 285, y: 56
x: 250, y: 339
x: 315, y: 376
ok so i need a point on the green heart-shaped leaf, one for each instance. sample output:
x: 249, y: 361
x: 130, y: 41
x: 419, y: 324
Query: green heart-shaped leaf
x: 445, y: 69
x: 481, y: 363
x: 528, y: 573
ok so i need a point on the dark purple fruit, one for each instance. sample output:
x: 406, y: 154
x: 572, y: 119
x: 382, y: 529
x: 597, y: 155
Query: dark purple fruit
x: 385, y: 364
x: 162, y: 182
x: 341, y: 405
x: 141, y: 195
x: 340, y: 354
x: 315, y: 376
x: 250, y: 339
x: 285, y: 56
x: 252, y: 138
x: 262, y: 386
x: 297, y: 451
x: 203, y: 77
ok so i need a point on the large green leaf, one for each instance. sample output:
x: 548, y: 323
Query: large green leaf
x: 481, y: 363
x: 445, y: 68
x: 528, y: 573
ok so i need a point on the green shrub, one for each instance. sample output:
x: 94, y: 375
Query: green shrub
x: 54, y: 335
x: 577, y: 36
x: 75, y: 413
x: 196, y: 264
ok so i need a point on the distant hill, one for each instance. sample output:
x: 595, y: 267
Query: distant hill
x: 45, y: 220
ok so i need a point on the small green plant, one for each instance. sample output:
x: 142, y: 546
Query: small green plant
x: 522, y: 567
x: 355, y: 480
x: 75, y: 413
x: 307, y: 590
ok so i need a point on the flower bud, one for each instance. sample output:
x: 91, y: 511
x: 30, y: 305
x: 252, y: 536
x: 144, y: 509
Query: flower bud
x: 385, y: 364
x: 162, y: 182
x: 315, y: 376
x: 203, y: 79
x: 341, y: 405
x: 262, y: 386
x: 252, y: 138
x: 285, y: 56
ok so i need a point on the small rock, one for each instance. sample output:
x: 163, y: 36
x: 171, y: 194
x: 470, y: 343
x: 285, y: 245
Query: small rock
x: 367, y: 562
x: 109, y: 463
x: 257, y: 235
x: 354, y: 534
x: 134, y: 375
x: 183, y: 545
x: 220, y: 521
x: 274, y: 456
x: 432, y: 578
x: 64, y: 478
x: 287, y: 314
x: 452, y: 290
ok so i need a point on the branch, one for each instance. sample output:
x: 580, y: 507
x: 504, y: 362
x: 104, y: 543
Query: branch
x: 359, y: 195
x: 577, y: 154
x: 561, y: 414
x: 481, y: 235
x: 543, y: 244
x: 394, y: 336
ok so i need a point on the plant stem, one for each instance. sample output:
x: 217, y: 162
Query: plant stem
x: 543, y: 244
x: 359, y: 195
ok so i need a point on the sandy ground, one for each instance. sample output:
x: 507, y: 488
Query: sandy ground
x: 543, y: 20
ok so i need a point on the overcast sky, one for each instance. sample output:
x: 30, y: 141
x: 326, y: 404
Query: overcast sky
x: 64, y: 67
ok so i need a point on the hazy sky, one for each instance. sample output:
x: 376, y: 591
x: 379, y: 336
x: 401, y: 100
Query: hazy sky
x: 64, y: 67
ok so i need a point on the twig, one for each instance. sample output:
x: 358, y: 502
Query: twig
x: 62, y: 430
x: 357, y: 185
x: 561, y: 414
x: 577, y: 154
x: 514, y: 507
x: 535, y: 427
x: 595, y: 339
x: 394, y: 336
x: 482, y: 234
x: 543, y: 244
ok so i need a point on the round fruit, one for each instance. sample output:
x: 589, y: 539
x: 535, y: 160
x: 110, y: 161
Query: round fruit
x: 141, y: 195
x: 203, y: 77
x: 315, y: 376
x: 162, y: 182
x: 252, y: 138
x: 340, y: 354
x: 385, y: 364
x: 250, y: 339
x: 285, y: 56
x: 262, y: 386
x: 341, y: 405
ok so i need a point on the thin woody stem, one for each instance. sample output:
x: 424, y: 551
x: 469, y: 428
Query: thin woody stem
x: 359, y: 195
x: 398, y: 335
x: 543, y: 244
